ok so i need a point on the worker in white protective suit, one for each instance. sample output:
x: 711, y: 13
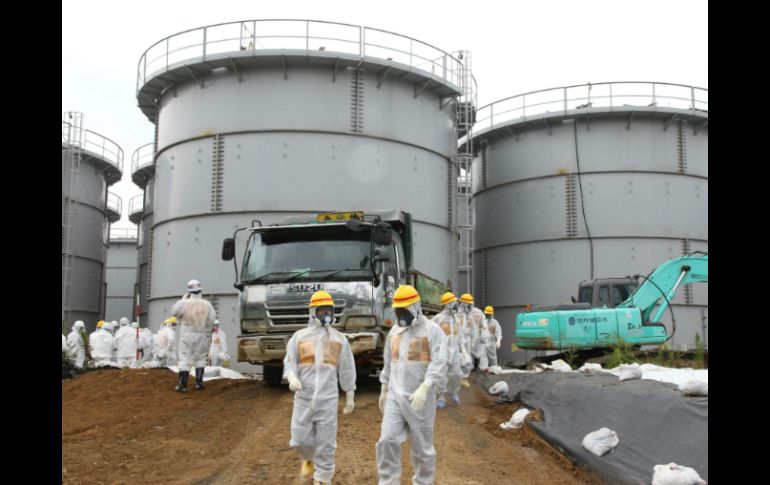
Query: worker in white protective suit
x: 195, y: 316
x: 474, y: 324
x: 102, y: 344
x: 414, y: 359
x: 318, y: 361
x: 466, y: 335
x: 218, y: 350
x: 165, y: 343
x: 450, y: 326
x: 492, y: 337
x: 146, y: 348
x: 76, y: 348
x: 125, y: 340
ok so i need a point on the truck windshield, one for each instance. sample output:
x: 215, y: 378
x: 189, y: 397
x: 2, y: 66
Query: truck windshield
x: 306, y: 253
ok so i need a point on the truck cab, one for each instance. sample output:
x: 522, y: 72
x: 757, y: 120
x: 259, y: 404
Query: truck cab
x: 360, y: 259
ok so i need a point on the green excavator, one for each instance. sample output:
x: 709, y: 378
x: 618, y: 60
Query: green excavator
x: 635, y: 321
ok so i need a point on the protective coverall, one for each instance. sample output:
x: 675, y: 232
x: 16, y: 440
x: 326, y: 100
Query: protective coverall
x: 126, y: 341
x: 491, y: 335
x: 76, y: 348
x: 102, y: 345
x: 321, y: 358
x: 451, y: 383
x: 414, y: 357
x: 218, y: 349
x: 195, y: 316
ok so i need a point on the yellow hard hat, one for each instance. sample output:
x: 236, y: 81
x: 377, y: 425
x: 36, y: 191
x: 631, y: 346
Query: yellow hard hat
x: 489, y: 310
x: 99, y: 324
x: 321, y: 298
x: 448, y: 298
x: 170, y: 320
x: 405, y: 296
x: 467, y: 298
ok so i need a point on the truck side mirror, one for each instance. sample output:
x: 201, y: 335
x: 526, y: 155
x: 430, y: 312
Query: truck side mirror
x: 382, y: 234
x: 228, y: 249
x: 380, y: 254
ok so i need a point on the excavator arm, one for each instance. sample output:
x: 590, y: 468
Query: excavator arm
x: 657, y: 290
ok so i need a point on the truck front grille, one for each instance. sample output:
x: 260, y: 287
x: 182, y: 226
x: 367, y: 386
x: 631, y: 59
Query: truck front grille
x: 293, y: 315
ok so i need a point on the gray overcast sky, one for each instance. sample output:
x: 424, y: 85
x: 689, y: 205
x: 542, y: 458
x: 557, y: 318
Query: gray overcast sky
x: 517, y: 46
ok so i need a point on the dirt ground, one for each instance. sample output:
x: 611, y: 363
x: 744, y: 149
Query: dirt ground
x: 130, y: 427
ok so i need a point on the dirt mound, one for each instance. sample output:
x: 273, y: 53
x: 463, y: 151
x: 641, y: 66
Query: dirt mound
x: 129, y: 427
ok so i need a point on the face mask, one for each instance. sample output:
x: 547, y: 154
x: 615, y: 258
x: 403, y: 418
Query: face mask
x: 405, y: 317
x: 325, y: 317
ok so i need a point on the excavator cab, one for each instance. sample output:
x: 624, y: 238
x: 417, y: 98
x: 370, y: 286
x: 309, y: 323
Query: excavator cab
x: 606, y: 292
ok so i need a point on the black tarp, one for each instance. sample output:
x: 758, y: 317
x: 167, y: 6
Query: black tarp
x: 655, y: 424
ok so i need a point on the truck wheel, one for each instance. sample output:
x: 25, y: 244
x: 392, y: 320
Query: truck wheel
x: 272, y: 375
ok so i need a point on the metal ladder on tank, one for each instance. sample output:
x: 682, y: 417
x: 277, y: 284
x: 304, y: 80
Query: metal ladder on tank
x: 74, y: 140
x: 464, y: 118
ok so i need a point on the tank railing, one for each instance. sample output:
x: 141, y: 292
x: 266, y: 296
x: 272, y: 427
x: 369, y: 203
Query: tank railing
x: 96, y: 143
x: 66, y: 132
x: 123, y: 233
x: 295, y: 34
x: 142, y: 157
x: 136, y: 204
x: 601, y: 95
x: 114, y: 202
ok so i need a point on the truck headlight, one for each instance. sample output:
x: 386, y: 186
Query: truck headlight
x: 360, y: 322
x: 254, y: 326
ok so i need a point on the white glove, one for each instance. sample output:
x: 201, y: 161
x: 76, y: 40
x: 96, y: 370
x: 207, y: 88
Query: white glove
x: 349, y: 404
x: 383, y: 397
x: 419, y: 396
x: 498, y: 344
x: 294, y: 383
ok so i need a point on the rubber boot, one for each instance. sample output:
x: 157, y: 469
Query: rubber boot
x: 306, y: 469
x: 182, y: 384
x: 440, y: 402
x: 199, y: 377
x: 455, y: 398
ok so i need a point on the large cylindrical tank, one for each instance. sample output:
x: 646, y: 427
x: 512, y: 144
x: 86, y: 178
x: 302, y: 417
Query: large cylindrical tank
x: 141, y: 214
x: 121, y: 274
x: 90, y: 164
x: 592, y: 181
x: 270, y: 119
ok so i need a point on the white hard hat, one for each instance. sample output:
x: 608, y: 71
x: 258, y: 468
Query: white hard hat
x: 123, y: 321
x: 134, y: 324
x: 193, y: 286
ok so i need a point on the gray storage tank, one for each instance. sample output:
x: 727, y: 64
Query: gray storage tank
x: 630, y: 158
x: 121, y: 274
x: 140, y: 213
x: 270, y: 119
x: 90, y: 164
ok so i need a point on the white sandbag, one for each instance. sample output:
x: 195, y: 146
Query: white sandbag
x: 494, y: 369
x: 561, y: 366
x: 499, y: 388
x: 230, y: 374
x: 600, y: 441
x: 673, y: 474
x: 557, y: 365
x: 630, y: 371
x: 516, y: 420
x: 590, y: 367
x: 695, y: 388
